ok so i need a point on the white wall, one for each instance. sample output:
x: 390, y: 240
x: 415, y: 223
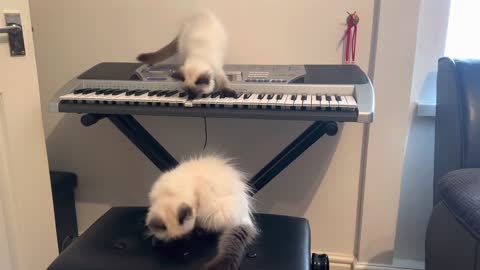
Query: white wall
x: 394, y: 62
x: 322, y: 185
x: 416, y: 199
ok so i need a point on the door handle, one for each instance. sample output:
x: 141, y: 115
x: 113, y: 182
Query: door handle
x: 11, y: 29
x: 14, y: 30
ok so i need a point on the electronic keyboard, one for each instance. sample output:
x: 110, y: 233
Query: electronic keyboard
x: 340, y: 93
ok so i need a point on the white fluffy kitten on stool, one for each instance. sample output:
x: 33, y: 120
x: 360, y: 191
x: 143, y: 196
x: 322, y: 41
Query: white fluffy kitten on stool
x: 208, y: 193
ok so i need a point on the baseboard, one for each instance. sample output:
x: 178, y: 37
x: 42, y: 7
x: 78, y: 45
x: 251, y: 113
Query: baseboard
x: 367, y: 266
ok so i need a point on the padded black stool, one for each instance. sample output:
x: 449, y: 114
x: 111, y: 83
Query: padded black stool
x: 117, y: 242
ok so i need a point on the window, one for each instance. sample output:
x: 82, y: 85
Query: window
x: 463, y: 38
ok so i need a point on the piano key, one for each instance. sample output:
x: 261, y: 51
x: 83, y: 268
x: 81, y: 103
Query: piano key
x: 110, y: 91
x: 238, y: 102
x: 228, y: 102
x: 198, y: 102
x: 304, y: 97
x: 162, y: 93
x: 280, y: 104
x: 247, y: 95
x: 316, y: 102
x: 153, y: 93
x: 307, y: 103
x: 263, y: 102
x: 88, y: 91
x: 342, y: 102
x: 171, y: 93
x: 115, y: 92
x: 141, y: 92
x: 78, y: 91
x: 252, y: 101
x: 352, y: 103
x: 279, y: 96
x: 100, y: 91
x: 272, y: 101
x: 130, y: 92
x: 298, y: 102
x: 333, y: 103
x: 324, y: 104
x: 270, y: 96
x: 289, y: 103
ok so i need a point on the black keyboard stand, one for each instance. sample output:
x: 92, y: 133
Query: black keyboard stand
x: 157, y: 154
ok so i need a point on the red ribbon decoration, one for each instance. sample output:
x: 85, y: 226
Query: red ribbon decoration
x: 351, y: 38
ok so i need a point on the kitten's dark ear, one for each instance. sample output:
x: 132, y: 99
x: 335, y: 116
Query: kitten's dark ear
x: 178, y: 75
x: 185, y: 212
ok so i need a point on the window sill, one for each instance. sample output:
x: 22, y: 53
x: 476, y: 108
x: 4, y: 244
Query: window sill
x: 426, y: 109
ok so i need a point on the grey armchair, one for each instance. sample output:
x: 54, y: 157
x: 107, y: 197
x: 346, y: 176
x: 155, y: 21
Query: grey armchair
x: 453, y: 234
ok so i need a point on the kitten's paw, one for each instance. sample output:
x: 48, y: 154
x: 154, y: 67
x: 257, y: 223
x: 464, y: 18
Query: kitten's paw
x: 228, y: 92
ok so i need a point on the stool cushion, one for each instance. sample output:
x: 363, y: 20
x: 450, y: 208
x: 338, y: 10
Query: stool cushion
x: 117, y: 242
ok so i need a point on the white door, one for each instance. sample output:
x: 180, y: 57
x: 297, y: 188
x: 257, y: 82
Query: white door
x: 27, y: 224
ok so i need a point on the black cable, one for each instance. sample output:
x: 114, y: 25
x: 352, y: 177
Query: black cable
x: 206, y: 133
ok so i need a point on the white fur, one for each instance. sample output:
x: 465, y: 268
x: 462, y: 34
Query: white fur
x: 201, y: 48
x: 212, y: 186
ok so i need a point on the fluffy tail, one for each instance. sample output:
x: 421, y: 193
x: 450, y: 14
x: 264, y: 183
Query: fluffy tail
x: 160, y: 55
x: 232, y: 247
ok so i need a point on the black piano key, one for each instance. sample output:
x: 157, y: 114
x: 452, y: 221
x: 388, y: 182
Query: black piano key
x: 261, y: 96
x: 182, y: 94
x: 205, y: 95
x: 162, y: 93
x: 171, y: 93
x: 293, y: 97
x: 141, y: 92
x: 247, y: 95
x: 131, y: 92
x: 329, y: 98
x: 338, y: 98
x: 100, y: 91
x: 88, y: 91
x: 153, y: 93
x: 270, y: 96
x: 304, y: 97
x: 279, y: 96
x: 78, y: 91
x: 237, y: 95
x: 115, y: 92
x: 319, y: 98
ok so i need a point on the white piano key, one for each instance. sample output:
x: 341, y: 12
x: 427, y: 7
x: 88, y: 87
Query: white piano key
x: 228, y: 102
x: 264, y: 102
x: 333, y: 103
x: 352, y: 103
x: 324, y: 103
x: 315, y: 103
x: 342, y: 103
x: 238, y: 103
x: 271, y: 102
x: 289, y: 103
x: 280, y: 103
x: 252, y: 101
x: 307, y: 104
x: 298, y: 102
